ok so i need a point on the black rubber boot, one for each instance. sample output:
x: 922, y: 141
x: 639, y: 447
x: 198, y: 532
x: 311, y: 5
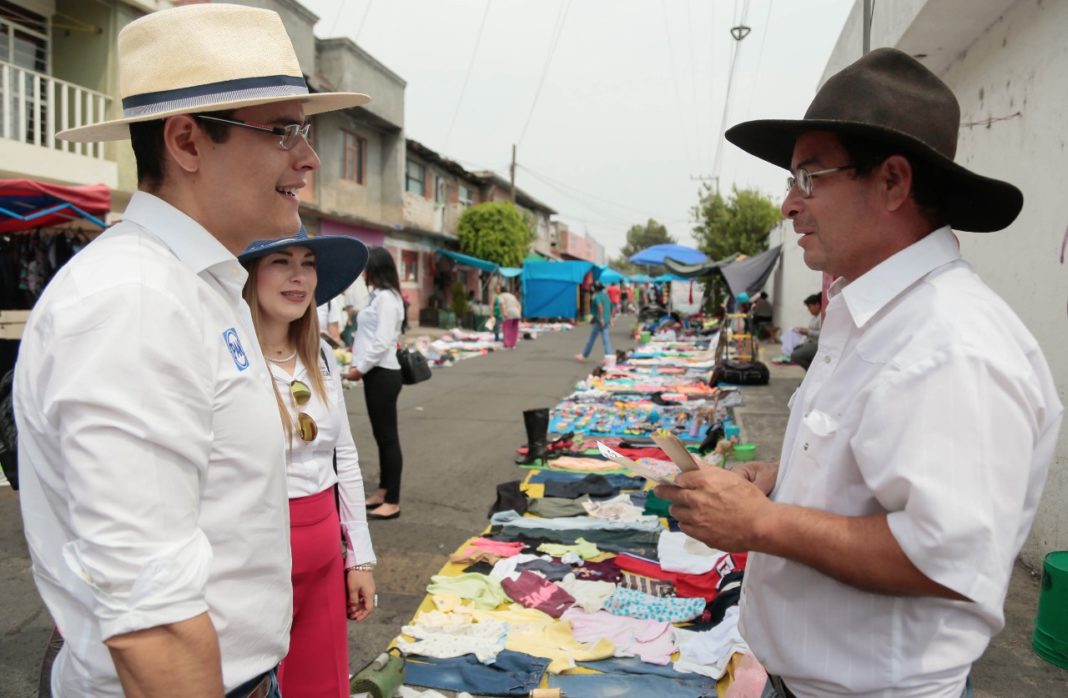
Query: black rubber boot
x: 537, y: 424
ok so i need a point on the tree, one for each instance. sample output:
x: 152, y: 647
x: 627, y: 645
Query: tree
x: 640, y: 237
x: 739, y: 224
x: 495, y: 231
x: 726, y: 226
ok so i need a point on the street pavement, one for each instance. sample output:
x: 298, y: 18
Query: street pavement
x: 458, y: 432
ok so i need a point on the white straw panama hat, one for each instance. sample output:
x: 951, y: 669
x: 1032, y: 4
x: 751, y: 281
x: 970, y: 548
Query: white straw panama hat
x: 203, y: 58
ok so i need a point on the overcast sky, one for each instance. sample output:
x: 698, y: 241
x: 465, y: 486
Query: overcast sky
x: 616, y: 105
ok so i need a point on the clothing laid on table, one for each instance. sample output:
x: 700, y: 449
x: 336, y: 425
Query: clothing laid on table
x: 651, y: 640
x: 375, y: 356
x: 925, y: 386
x: 318, y: 660
x: 481, y: 590
x: 511, y: 311
x: 601, y: 308
x: 708, y: 652
x: 152, y: 457
x: 511, y: 674
x: 531, y: 590
x: 628, y: 602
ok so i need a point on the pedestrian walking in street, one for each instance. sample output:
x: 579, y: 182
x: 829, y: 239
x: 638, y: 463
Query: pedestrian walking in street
x: 374, y: 361
x: 497, y: 317
x: 285, y: 277
x: 511, y: 311
x: 601, y: 307
x: 892, y: 515
x: 153, y: 461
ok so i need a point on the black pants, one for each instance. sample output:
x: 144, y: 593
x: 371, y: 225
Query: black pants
x: 381, y: 386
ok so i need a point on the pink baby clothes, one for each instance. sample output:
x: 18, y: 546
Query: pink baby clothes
x: 650, y: 640
x: 498, y: 547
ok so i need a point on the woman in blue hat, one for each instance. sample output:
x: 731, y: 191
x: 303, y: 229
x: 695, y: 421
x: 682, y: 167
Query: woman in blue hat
x: 287, y: 279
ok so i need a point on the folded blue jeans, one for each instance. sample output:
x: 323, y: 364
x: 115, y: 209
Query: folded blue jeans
x: 510, y: 674
x: 613, y: 685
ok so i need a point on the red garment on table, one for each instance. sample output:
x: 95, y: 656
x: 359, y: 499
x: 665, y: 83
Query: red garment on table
x: 686, y: 585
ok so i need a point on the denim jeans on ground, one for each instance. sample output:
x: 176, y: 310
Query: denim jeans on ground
x: 598, y: 329
x: 511, y: 674
x: 605, y: 685
x: 968, y: 692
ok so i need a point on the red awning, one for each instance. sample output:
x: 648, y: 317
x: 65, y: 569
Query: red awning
x: 27, y: 204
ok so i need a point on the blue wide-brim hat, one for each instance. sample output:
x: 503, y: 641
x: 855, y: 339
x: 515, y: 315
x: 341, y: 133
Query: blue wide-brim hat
x: 338, y: 260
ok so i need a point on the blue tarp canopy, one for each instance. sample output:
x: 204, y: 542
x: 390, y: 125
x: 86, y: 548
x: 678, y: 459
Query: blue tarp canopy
x: 469, y: 261
x: 641, y: 279
x: 668, y: 277
x: 610, y: 276
x: 509, y: 272
x: 658, y: 253
x: 551, y: 290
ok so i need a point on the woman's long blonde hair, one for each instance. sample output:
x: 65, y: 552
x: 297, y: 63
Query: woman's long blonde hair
x: 304, y: 333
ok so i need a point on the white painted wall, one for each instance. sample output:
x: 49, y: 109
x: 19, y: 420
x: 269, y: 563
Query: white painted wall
x: 1006, y: 61
x: 792, y: 281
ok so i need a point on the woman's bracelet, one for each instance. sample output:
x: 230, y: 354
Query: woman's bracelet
x: 362, y: 567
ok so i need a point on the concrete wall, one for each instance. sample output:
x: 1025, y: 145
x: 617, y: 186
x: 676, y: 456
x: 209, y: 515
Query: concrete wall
x: 1006, y: 62
x: 343, y: 195
x: 348, y: 68
x: 791, y: 281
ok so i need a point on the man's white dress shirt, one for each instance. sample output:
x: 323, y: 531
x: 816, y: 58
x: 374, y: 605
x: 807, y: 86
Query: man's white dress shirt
x: 310, y: 469
x: 151, y: 449
x: 377, y: 332
x: 928, y: 401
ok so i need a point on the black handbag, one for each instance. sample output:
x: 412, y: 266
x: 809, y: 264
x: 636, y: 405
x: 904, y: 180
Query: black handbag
x: 414, y: 368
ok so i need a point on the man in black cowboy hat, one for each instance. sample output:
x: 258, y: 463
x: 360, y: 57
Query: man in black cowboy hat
x: 919, y: 440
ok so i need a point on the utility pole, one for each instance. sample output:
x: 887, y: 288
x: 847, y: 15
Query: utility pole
x: 513, y: 173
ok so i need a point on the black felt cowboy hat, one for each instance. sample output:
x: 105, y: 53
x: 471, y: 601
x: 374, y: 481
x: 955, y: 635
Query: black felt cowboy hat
x: 890, y: 98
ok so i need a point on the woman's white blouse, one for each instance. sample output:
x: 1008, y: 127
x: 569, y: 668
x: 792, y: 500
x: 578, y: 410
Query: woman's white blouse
x: 377, y: 330
x: 310, y: 465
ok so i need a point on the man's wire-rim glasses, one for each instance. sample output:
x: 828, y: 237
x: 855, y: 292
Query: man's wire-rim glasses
x: 288, y: 135
x: 803, y: 179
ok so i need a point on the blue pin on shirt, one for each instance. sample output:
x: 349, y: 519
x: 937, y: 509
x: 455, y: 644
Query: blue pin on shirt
x: 237, y: 352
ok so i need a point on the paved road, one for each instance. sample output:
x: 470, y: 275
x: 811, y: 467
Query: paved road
x: 458, y: 432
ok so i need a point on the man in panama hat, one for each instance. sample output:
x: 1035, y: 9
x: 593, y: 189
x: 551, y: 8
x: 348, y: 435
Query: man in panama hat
x: 918, y: 442
x: 155, y: 500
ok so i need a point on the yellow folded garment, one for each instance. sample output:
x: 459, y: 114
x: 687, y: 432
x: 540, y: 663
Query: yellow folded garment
x: 582, y: 547
x: 532, y: 632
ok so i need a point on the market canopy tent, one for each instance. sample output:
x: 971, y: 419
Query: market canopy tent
x: 748, y: 275
x: 658, y: 253
x: 465, y: 260
x: 610, y: 276
x: 26, y: 204
x: 551, y: 290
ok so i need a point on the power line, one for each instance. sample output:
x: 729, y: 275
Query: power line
x: 675, y: 83
x: 470, y: 67
x: 363, y: 21
x: 558, y: 29
x: 337, y: 17
x: 550, y: 180
x: 735, y: 50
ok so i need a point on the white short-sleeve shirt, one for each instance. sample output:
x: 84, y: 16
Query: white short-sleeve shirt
x: 151, y: 452
x: 928, y: 400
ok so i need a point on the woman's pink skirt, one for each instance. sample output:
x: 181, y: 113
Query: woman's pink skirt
x: 317, y: 665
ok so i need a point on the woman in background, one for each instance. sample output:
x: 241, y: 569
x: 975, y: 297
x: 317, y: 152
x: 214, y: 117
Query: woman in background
x: 287, y: 277
x: 374, y: 361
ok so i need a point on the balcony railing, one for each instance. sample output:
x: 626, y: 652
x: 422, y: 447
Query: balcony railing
x: 34, y: 106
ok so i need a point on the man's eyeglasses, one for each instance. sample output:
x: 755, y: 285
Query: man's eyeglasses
x: 289, y: 135
x: 803, y: 179
x: 307, y: 429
